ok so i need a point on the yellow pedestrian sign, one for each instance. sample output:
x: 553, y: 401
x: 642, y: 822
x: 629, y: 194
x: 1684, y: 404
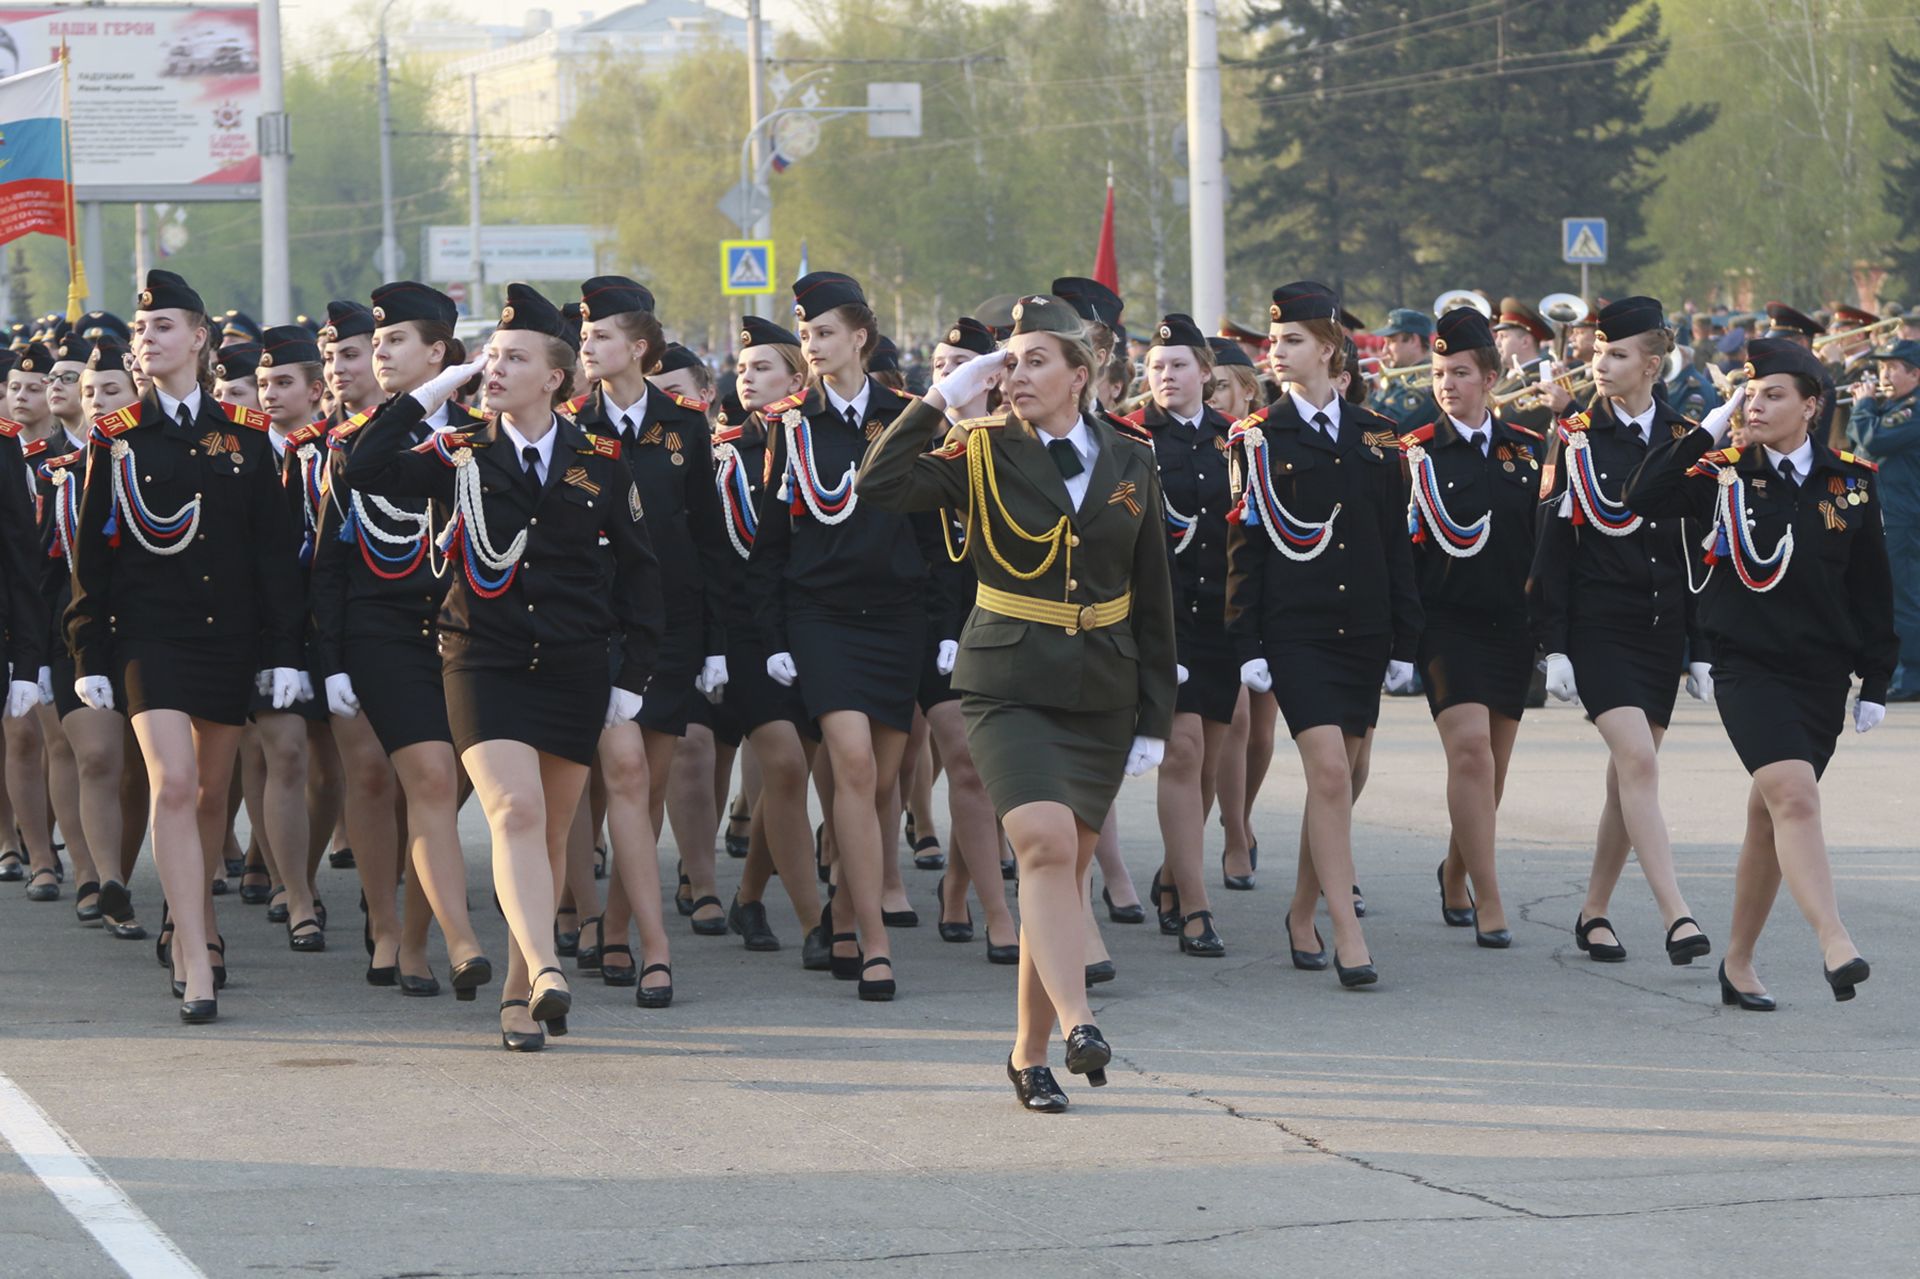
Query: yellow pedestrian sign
x: 746, y: 267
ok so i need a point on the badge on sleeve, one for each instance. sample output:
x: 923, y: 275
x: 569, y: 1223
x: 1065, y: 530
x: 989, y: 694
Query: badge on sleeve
x: 633, y: 503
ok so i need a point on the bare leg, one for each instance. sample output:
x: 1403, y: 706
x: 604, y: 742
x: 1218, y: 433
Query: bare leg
x: 282, y: 739
x: 26, y: 774
x: 862, y: 753
x: 1793, y: 800
x: 780, y: 825
x: 633, y: 883
x: 63, y: 791
x: 976, y: 835
x: 688, y: 795
x: 1466, y: 733
x: 1634, y: 745
x: 373, y: 830
x: 430, y: 782
x: 1756, y: 882
x: 98, y: 742
x: 1113, y: 868
x: 1329, y: 758
x: 1182, y: 803
x: 1234, y: 802
x: 1054, y: 850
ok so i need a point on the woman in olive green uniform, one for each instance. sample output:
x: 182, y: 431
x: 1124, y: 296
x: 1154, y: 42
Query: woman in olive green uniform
x: 1066, y: 665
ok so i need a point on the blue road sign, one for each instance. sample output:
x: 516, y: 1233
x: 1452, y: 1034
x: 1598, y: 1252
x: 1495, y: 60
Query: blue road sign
x: 1583, y: 241
x: 746, y: 267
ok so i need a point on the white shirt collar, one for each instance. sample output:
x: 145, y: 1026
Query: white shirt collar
x: 1084, y: 443
x: 1486, y: 428
x: 1308, y: 409
x: 1642, y: 425
x: 277, y: 440
x: 171, y: 406
x: 544, y: 446
x: 72, y: 443
x: 436, y: 421
x: 858, y: 403
x: 1802, y: 459
x: 1199, y: 414
x: 635, y: 412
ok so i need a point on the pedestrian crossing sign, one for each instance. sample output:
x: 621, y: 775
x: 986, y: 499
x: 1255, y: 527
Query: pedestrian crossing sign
x: 1583, y: 241
x: 746, y: 267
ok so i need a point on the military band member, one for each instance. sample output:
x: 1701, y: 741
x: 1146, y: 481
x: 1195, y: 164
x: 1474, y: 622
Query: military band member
x: 1609, y: 603
x: 1066, y: 665
x: 1579, y: 337
x: 1886, y: 427
x: 1524, y: 339
x: 29, y: 422
x: 1797, y: 327
x: 1409, y: 336
x: 1789, y: 631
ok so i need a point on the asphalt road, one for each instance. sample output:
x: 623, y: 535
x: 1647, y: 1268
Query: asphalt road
x: 1522, y: 1111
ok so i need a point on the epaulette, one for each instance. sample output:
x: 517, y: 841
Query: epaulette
x: 728, y: 435
x: 10, y: 428
x: 1254, y: 418
x: 572, y: 407
x: 1419, y: 435
x: 1578, y: 422
x: 1127, y: 429
x: 991, y: 422
x: 778, y: 407
x: 241, y: 415
x: 340, y: 434
x: 74, y: 458
x: 687, y: 402
x: 1136, y: 418
x: 604, y: 445
x: 1853, y: 459
x: 118, y: 422
x: 34, y: 449
x: 306, y: 434
x: 1529, y: 432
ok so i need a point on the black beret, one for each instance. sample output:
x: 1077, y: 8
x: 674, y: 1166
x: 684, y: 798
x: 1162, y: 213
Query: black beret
x: 18, y: 336
x: 526, y: 311
x: 1782, y: 355
x: 238, y: 326
x: 95, y: 324
x: 57, y: 328
x: 166, y: 291
x: 1045, y: 313
x: 1092, y: 300
x: 885, y: 357
x: 755, y: 331
x: 969, y: 334
x: 110, y: 353
x: 236, y: 361
x: 401, y: 300
x: 37, y: 358
x: 1628, y: 316
x: 1226, y: 352
x: 677, y: 357
x: 1351, y: 322
x: 818, y: 292
x: 606, y: 295
x: 1784, y: 319
x: 1178, y: 330
x: 1301, y: 301
x: 571, y: 314
x: 346, y: 319
x: 1462, y: 329
x: 288, y: 344
x: 73, y: 349
x: 732, y: 412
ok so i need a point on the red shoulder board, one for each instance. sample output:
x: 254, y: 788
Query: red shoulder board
x: 729, y: 435
x: 241, y: 415
x: 307, y: 434
x: 9, y: 427
x: 1128, y: 429
x: 605, y: 445
x: 572, y: 407
x: 1855, y: 459
x: 34, y: 449
x: 1136, y: 418
x: 1578, y: 422
x: 687, y: 402
x: 74, y: 458
x: 778, y: 407
x: 1518, y: 429
x: 1419, y: 435
x: 118, y: 422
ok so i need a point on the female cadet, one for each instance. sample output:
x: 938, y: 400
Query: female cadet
x: 181, y: 590
x: 377, y: 590
x: 976, y: 836
x: 664, y: 441
x: 1066, y: 665
x: 32, y: 422
x: 551, y: 565
x: 782, y: 738
x: 1798, y: 598
x: 1322, y: 601
x: 1190, y: 449
x: 843, y: 599
x: 1476, y: 482
x: 1609, y: 603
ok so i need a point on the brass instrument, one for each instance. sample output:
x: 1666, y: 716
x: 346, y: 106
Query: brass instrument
x: 1454, y: 298
x: 1724, y: 381
x: 1575, y: 381
x: 1420, y: 375
x: 1865, y: 330
x: 1564, y: 308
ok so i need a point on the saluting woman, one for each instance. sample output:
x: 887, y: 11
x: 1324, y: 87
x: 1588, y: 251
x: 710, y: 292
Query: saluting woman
x: 1609, y: 603
x: 1476, y: 481
x: 1066, y: 664
x: 181, y: 591
x: 844, y: 602
x: 551, y: 566
x: 1322, y: 603
x: 1798, y: 599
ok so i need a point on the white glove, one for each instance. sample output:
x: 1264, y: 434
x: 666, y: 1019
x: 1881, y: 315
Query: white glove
x: 439, y: 388
x: 341, y: 699
x: 945, y: 656
x: 1560, y: 677
x: 1145, y: 753
x: 622, y: 706
x: 1181, y: 674
x: 1867, y: 716
x: 285, y: 685
x: 712, y: 678
x: 46, y: 686
x: 22, y: 696
x: 1257, y: 675
x: 263, y: 683
x: 305, y: 692
x: 1700, y: 681
x: 971, y: 380
x: 1721, y: 421
x: 95, y: 690
x: 1399, y: 676
x: 781, y: 670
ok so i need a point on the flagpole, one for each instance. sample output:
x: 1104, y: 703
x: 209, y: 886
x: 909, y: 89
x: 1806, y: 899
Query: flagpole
x: 76, y: 269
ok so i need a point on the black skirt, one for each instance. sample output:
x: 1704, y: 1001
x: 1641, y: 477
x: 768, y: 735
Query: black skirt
x: 313, y: 710
x: 1485, y: 665
x: 1772, y: 717
x: 558, y: 709
x: 1213, y: 675
x: 935, y: 688
x: 669, y: 704
x: 752, y: 699
x: 1029, y: 754
x: 1318, y: 684
x: 859, y: 662
x: 1614, y: 668
x: 399, y: 686
x: 718, y: 717
x: 210, y: 680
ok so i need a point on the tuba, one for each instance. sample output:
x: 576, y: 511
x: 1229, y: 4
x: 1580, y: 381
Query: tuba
x: 1453, y: 299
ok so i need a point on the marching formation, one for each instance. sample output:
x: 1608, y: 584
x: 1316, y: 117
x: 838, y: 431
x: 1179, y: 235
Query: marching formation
x: 346, y: 573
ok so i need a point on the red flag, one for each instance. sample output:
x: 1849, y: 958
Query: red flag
x: 1106, y: 267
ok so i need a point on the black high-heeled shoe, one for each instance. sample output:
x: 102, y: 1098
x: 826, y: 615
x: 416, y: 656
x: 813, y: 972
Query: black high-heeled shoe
x: 749, y: 921
x: 924, y: 860
x: 618, y: 974
x: 198, y: 1012
x: 951, y: 931
x: 876, y: 992
x: 419, y: 987
x: 1100, y: 973
x: 846, y: 967
x: 1088, y: 1054
x: 1008, y: 954
x: 1009, y: 869
x: 1166, y: 904
x: 737, y: 845
x: 1235, y: 883
x: 820, y: 869
x: 1598, y: 951
x: 566, y: 942
x: 387, y: 976
x: 311, y: 943
x: 655, y: 996
x: 1359, y: 903
x: 88, y: 914
x: 555, y: 1002
x: 218, y: 946
x: 517, y: 1041
x: 1206, y: 944
x: 1848, y: 975
x: 1732, y: 994
x: 255, y: 894
x: 587, y: 958
x: 683, y: 893
x: 908, y: 918
x: 1687, y: 949
x: 1357, y: 976
x: 116, y: 912
x: 714, y: 927
x: 1309, y: 961
x: 277, y: 913
x: 816, y: 951
x: 13, y: 867
x: 1454, y: 916
x: 1036, y: 1089
x: 342, y: 859
x: 1134, y: 914
x: 43, y: 892
x: 468, y: 976
x: 163, y: 943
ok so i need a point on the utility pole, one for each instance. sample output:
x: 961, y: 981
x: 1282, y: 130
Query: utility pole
x: 756, y: 108
x: 389, y: 237
x: 1206, y: 177
x: 476, y: 299
x: 276, y: 156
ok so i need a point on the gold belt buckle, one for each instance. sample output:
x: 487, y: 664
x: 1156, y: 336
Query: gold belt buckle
x: 1087, y: 617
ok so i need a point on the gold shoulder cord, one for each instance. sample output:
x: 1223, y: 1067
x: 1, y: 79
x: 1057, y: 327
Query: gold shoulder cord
x: 982, y: 482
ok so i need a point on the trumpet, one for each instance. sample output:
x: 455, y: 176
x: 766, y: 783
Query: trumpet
x: 1575, y: 381
x: 1416, y: 374
x: 1865, y: 330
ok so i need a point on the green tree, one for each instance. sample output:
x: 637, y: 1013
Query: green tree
x: 1901, y: 195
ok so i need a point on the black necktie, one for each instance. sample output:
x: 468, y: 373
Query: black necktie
x: 184, y: 418
x: 1066, y: 459
x: 1325, y: 424
x: 1786, y: 477
x: 626, y: 428
x: 530, y: 459
x: 853, y: 419
x: 1474, y: 438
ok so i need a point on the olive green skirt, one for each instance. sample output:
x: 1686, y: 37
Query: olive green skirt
x: 1030, y: 754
